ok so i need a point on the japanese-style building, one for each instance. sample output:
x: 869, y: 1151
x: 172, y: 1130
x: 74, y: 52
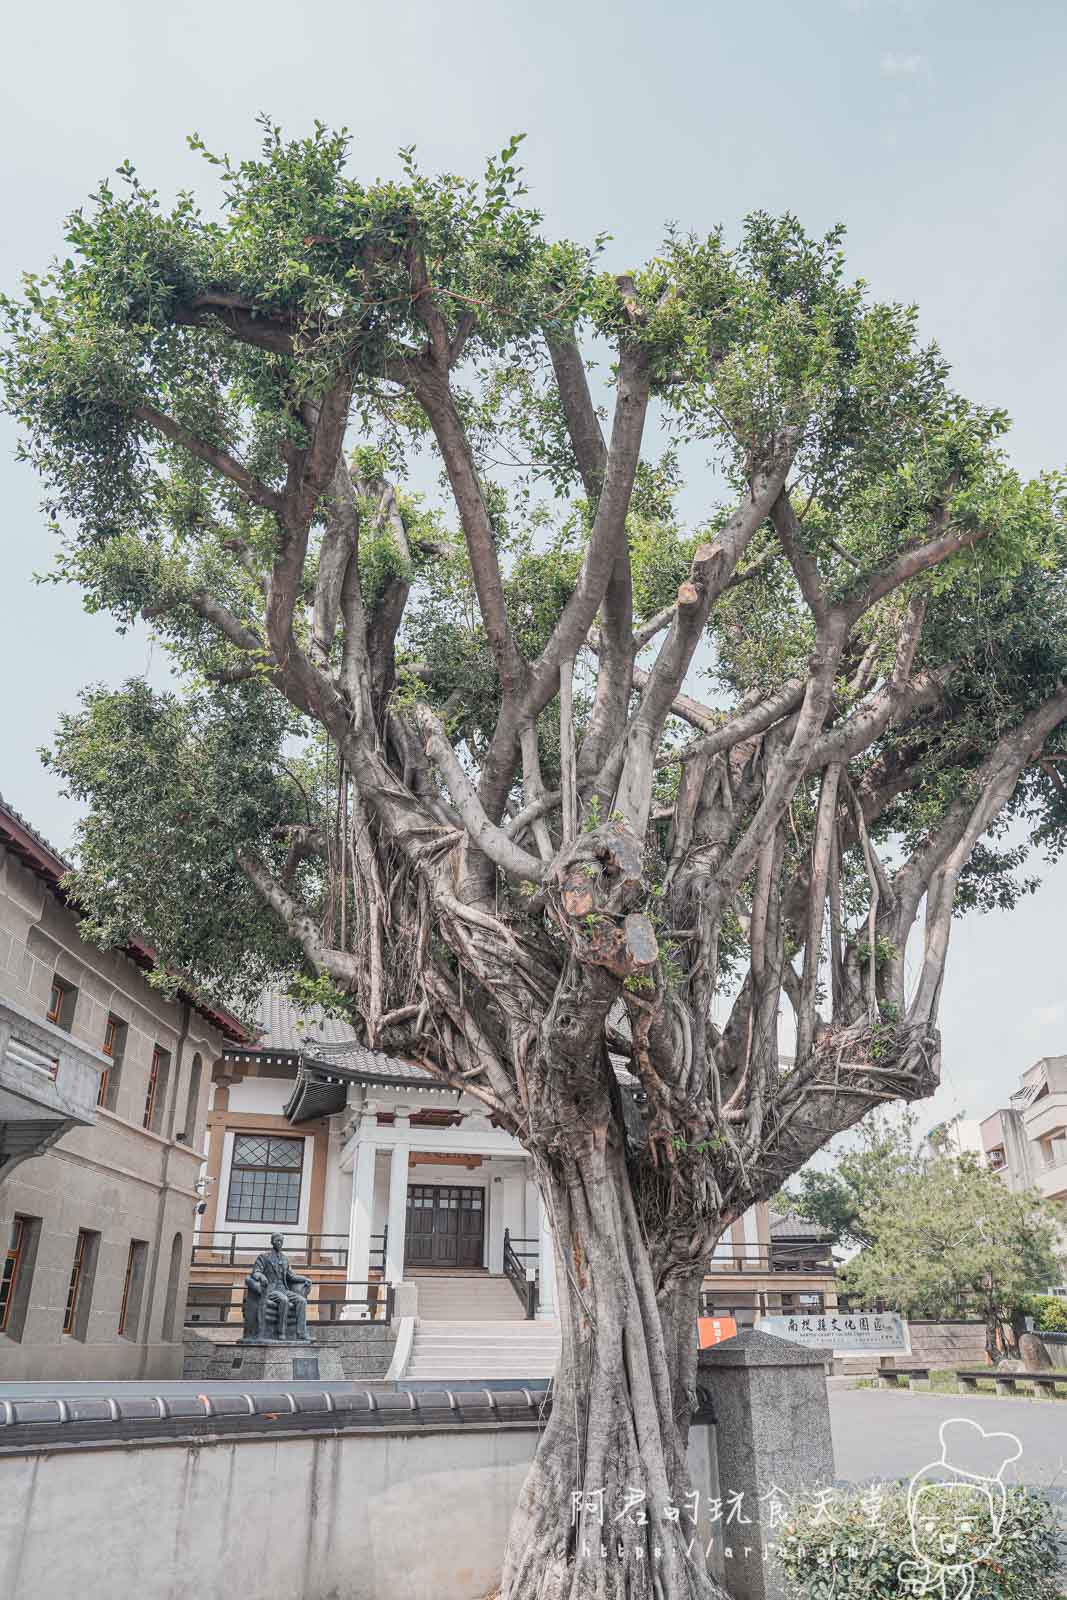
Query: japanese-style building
x: 376, y: 1173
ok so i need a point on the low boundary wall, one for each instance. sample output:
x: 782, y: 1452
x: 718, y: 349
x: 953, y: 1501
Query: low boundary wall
x: 360, y: 1494
x: 273, y: 1496
x: 292, y: 1507
x: 935, y: 1344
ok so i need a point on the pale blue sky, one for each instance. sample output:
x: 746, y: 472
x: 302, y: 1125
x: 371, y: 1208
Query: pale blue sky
x: 933, y: 128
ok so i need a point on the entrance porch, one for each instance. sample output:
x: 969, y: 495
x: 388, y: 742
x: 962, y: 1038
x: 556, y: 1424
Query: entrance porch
x: 450, y: 1200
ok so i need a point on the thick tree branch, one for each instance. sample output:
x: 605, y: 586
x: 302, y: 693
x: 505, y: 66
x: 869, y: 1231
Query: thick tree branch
x: 606, y: 553
x: 712, y: 568
x: 494, y: 842
x: 336, y: 963
x: 224, y: 463
x: 432, y: 391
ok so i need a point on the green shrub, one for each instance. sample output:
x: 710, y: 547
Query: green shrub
x: 868, y: 1551
x: 1048, y: 1311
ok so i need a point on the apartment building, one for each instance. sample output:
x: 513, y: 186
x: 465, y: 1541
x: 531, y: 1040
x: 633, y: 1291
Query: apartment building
x: 1026, y: 1141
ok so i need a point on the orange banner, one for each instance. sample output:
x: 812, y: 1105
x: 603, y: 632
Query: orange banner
x: 713, y: 1330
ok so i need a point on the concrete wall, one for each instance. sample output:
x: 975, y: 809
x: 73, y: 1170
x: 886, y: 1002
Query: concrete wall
x: 312, y: 1515
x: 317, y: 1517
x: 116, y: 1179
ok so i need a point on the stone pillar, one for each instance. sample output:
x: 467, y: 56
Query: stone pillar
x: 398, y: 1200
x: 361, y: 1220
x: 546, y: 1265
x: 772, y: 1441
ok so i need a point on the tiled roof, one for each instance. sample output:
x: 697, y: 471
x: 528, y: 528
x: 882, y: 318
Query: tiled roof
x: 283, y: 1025
x: 328, y: 1046
x: 45, y: 860
x: 332, y: 1056
x: 291, y: 1029
x: 790, y: 1226
x: 38, y: 838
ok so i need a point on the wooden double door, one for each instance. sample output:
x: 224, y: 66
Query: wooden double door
x: 445, y: 1226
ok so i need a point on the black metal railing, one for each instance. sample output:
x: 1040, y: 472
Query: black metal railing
x: 817, y: 1258
x: 324, y: 1252
x: 327, y: 1251
x: 515, y: 1270
x: 207, y: 1306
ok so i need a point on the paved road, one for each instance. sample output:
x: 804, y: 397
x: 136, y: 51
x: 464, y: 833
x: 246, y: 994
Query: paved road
x: 886, y: 1434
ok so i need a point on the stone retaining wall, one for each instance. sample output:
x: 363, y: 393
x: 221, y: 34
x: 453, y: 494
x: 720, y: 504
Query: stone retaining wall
x: 316, y: 1515
x: 365, y: 1349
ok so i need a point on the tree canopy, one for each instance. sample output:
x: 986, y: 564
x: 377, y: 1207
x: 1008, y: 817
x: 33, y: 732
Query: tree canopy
x: 558, y: 790
x: 953, y: 1236
x: 842, y: 1198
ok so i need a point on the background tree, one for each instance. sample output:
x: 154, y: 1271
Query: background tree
x: 953, y: 1236
x: 450, y: 767
x: 839, y: 1197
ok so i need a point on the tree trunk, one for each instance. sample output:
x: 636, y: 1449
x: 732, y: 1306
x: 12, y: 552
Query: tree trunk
x: 607, y: 1510
x: 992, y: 1338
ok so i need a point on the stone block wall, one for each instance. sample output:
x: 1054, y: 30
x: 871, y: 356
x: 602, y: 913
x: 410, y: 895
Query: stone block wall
x: 365, y: 1349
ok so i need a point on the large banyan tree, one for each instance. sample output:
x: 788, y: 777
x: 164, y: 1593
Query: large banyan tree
x: 566, y: 795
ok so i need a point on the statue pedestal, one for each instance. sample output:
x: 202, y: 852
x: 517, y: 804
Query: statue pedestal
x: 268, y: 1359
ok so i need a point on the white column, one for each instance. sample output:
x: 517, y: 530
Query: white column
x: 361, y: 1220
x: 546, y: 1265
x: 398, y: 1200
x: 531, y: 1217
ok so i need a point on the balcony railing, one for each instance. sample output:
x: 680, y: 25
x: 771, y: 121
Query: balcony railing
x: 208, y: 1306
x: 814, y: 1258
x: 315, y: 1252
x: 747, y: 1306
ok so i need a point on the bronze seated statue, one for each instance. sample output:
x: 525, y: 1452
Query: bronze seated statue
x: 276, y: 1300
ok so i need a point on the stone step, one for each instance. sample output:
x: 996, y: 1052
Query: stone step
x: 486, y: 1333
x: 469, y: 1300
x: 456, y: 1329
x: 444, y: 1349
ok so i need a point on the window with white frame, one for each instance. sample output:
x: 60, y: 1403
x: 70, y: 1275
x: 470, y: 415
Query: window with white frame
x: 265, y: 1176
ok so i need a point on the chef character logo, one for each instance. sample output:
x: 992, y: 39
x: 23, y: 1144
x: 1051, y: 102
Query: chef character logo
x: 956, y: 1510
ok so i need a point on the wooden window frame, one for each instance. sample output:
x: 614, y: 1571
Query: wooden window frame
x: 113, y: 1046
x: 288, y: 1171
x: 137, y: 1253
x: 160, y: 1059
x: 77, y: 1272
x: 13, y: 1259
x: 61, y: 1003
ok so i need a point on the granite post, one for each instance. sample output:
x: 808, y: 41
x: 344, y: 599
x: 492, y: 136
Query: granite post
x: 773, y: 1443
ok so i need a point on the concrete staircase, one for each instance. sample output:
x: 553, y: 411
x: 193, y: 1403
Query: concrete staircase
x: 490, y: 1349
x: 472, y: 1325
x: 463, y: 1297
